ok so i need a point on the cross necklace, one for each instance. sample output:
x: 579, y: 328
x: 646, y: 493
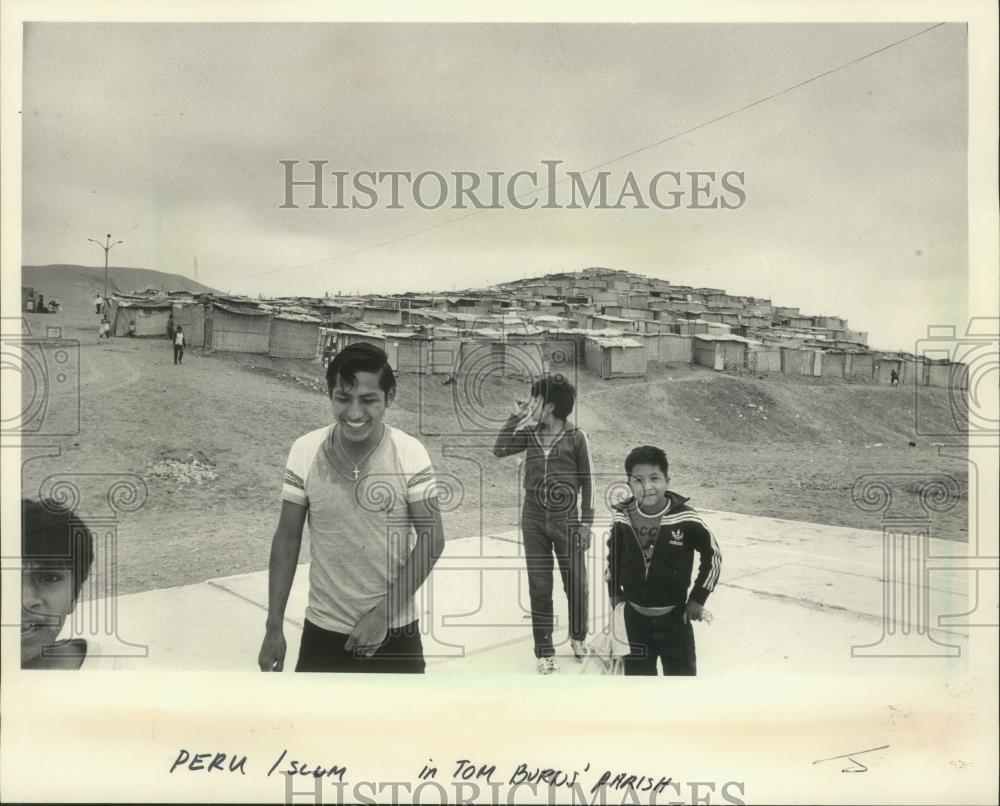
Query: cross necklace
x: 343, y: 449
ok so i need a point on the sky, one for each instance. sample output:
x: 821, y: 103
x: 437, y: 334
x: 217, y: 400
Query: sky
x: 169, y: 137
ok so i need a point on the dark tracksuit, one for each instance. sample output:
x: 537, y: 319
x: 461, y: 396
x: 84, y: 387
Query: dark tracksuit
x: 549, y: 523
x: 662, y: 582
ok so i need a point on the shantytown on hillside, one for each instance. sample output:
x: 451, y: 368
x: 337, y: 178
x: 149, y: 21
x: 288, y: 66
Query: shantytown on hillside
x: 613, y: 322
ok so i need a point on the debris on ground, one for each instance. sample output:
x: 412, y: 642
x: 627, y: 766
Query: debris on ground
x: 182, y: 467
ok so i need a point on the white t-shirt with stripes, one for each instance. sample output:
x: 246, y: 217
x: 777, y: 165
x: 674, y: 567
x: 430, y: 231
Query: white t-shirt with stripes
x: 359, y: 530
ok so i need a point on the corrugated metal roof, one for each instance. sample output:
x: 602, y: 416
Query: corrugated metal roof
x: 614, y: 341
x: 143, y: 303
x: 240, y: 311
x: 724, y: 337
x: 367, y: 333
x: 289, y: 316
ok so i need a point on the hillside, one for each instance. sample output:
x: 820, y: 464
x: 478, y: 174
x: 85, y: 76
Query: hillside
x: 781, y: 447
x: 75, y: 286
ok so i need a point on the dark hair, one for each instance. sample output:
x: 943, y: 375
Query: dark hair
x: 180, y: 329
x: 647, y: 455
x: 360, y: 357
x: 54, y: 533
x: 555, y: 389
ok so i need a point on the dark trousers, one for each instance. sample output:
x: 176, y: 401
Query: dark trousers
x: 666, y: 638
x: 546, y: 534
x: 178, y: 354
x: 323, y: 651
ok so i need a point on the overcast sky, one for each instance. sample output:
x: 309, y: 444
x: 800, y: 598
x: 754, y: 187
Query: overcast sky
x: 169, y: 136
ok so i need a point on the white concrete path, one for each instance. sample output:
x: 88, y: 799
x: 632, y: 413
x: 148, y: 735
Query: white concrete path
x: 794, y: 598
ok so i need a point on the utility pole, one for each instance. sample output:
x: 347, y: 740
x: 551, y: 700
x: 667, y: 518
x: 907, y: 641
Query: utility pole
x: 107, y: 248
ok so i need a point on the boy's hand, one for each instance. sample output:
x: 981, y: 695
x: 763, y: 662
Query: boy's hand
x: 520, y: 408
x: 695, y: 612
x: 370, y: 631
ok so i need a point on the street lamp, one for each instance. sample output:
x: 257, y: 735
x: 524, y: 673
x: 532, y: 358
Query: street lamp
x: 107, y: 248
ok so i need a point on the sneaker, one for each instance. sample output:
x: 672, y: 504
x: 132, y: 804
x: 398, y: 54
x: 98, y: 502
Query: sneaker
x: 547, y: 666
x: 580, y: 649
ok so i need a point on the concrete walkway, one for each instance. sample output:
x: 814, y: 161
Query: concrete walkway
x: 794, y: 598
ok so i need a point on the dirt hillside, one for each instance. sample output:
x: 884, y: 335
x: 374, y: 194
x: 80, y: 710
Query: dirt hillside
x: 75, y: 286
x: 210, y: 439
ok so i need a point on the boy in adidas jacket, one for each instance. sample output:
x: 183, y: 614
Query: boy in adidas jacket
x: 654, y: 535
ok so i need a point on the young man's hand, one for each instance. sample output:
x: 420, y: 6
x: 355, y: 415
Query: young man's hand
x: 272, y: 651
x: 695, y: 612
x: 370, y: 631
x: 586, y: 536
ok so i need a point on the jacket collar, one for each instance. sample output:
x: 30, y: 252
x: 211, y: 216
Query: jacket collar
x: 676, y: 501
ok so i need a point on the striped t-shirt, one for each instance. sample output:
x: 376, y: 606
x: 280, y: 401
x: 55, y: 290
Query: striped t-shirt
x: 359, y: 530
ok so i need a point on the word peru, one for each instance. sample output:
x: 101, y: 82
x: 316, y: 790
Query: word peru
x: 312, y: 186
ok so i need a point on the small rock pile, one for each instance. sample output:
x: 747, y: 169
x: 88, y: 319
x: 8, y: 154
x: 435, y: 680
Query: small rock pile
x: 191, y: 469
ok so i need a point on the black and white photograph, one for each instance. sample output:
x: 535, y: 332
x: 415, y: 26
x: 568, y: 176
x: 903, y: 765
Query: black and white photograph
x: 517, y: 355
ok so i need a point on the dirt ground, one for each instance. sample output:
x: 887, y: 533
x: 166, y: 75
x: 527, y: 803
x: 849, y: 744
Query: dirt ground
x: 209, y: 441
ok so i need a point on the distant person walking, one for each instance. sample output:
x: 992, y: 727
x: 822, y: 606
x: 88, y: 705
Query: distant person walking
x: 893, y: 378
x: 98, y: 303
x: 104, y: 329
x: 179, y: 346
x: 131, y: 329
x: 40, y: 307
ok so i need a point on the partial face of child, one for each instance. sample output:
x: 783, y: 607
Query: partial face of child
x: 359, y: 408
x: 649, y: 486
x: 536, y: 409
x: 46, y: 600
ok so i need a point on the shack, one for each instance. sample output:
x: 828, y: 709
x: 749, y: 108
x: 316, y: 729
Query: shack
x: 412, y: 356
x: 721, y: 352
x: 800, y: 361
x: 525, y: 356
x: 150, y: 316
x: 237, y: 328
x: 335, y: 339
x: 615, y: 357
x: 190, y: 315
x: 861, y: 367
x: 764, y: 360
x: 295, y: 335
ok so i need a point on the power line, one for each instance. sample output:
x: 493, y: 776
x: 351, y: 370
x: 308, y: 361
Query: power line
x: 605, y: 163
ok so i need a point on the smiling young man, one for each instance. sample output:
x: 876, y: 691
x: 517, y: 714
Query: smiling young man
x: 367, y: 491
